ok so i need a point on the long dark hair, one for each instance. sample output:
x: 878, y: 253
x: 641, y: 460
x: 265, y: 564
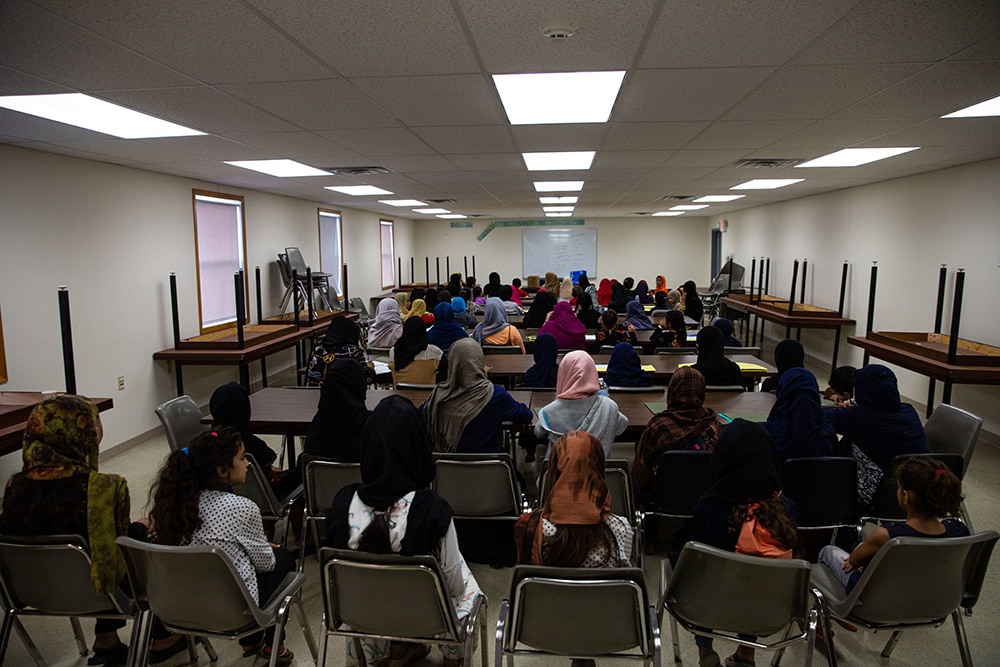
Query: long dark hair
x: 186, y: 473
x: 935, y: 490
x: 770, y: 513
x: 571, y: 545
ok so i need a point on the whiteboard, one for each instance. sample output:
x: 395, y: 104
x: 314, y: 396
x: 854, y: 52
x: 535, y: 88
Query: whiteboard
x: 559, y: 249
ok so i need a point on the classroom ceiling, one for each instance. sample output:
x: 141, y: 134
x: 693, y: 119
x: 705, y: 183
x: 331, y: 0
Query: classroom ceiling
x: 407, y: 86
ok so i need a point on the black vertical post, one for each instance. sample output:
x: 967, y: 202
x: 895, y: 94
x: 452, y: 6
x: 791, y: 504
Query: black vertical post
x: 764, y: 285
x: 791, y: 297
x: 840, y: 313
x: 427, y: 271
x: 938, y: 318
x: 753, y: 287
x: 347, y: 299
x: 802, y: 294
x: 413, y: 279
x: 240, y: 308
x: 177, y: 332
x: 260, y: 310
x: 437, y: 268
x: 309, y: 293
x: 956, y: 317
x: 399, y: 272
x: 753, y: 277
x: 473, y: 265
x: 873, y: 281
x: 447, y: 267
x: 295, y: 296
x: 69, y: 366
x: 466, y: 274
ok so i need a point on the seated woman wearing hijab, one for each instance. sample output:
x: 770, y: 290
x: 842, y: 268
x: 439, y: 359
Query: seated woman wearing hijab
x: 612, y: 332
x: 674, y: 300
x: 745, y: 481
x: 413, y: 359
x: 466, y: 412
x: 388, y: 324
x: 342, y: 341
x: 335, y: 431
x: 566, y: 289
x: 539, y: 310
x: 460, y: 308
x: 551, y: 284
x: 569, y: 332
x: 712, y: 362
x: 506, y: 296
x: 230, y: 407
x: 418, y: 308
x: 431, y: 299
x: 578, y: 406
x: 445, y: 329
x: 628, y: 284
x: 796, y: 423
x: 392, y: 510
x: 788, y: 354
x: 575, y: 526
x: 671, y: 331
x: 642, y: 294
x: 60, y: 492
x: 583, y: 282
x: 637, y: 316
x: 544, y: 371
x: 586, y: 313
x: 403, y: 299
x: 879, y: 425
x: 661, y: 285
x: 619, y: 298
x: 660, y: 303
x: 604, y: 293
x: 726, y: 327
x: 625, y: 368
x: 494, y: 329
x: 692, y: 302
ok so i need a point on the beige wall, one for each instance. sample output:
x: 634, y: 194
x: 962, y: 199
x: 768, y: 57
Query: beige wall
x: 113, y: 234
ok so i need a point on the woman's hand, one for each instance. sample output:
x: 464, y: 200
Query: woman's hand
x: 147, y: 522
x: 631, y: 328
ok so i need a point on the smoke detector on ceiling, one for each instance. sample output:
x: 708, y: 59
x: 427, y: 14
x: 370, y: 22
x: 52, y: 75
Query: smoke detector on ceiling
x: 559, y: 30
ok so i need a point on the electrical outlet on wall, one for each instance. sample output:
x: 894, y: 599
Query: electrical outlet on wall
x: 121, y: 383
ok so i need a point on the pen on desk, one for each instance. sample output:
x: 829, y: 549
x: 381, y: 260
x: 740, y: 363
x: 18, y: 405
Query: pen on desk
x: 726, y: 417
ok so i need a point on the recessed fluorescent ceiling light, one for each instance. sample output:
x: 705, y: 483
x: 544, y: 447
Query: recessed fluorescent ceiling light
x: 987, y: 108
x: 558, y: 97
x: 558, y: 215
x: 557, y: 209
x: 453, y: 216
x: 555, y: 160
x: 430, y: 211
x: 852, y: 157
x: 766, y: 183
x: 558, y: 186
x: 402, y: 202
x: 282, y: 168
x: 358, y: 190
x: 688, y: 207
x: 94, y: 114
x: 559, y: 200
x: 666, y: 213
x: 718, y: 198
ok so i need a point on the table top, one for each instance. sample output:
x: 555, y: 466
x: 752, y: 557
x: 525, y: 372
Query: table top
x: 505, y: 366
x: 782, y: 317
x: 247, y: 354
x: 897, y: 353
x: 15, y: 406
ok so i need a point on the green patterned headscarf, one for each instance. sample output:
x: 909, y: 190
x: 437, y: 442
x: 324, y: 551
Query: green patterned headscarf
x: 61, y: 439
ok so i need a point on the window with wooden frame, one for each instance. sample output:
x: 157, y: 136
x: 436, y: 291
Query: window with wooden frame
x: 220, y: 251
x: 388, y: 252
x: 331, y: 249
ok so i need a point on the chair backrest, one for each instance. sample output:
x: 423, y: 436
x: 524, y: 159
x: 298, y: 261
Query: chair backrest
x: 334, y: 300
x: 386, y: 594
x: 418, y: 371
x: 414, y: 385
x: 730, y: 592
x: 181, y: 419
x: 674, y: 350
x: 258, y: 490
x: 324, y: 479
x: 357, y: 306
x: 884, y: 505
x: 724, y: 387
x: 680, y: 480
x: 953, y: 430
x: 296, y: 262
x: 825, y: 491
x: 51, y: 574
x: 579, y: 611
x: 608, y: 349
x: 618, y: 480
x: 190, y: 588
x: 753, y: 351
x: 478, y: 485
x: 501, y: 349
x: 652, y: 389
x: 284, y: 270
x: 920, y: 580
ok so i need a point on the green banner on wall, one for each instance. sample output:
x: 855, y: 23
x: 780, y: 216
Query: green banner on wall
x: 461, y: 223
x: 573, y: 222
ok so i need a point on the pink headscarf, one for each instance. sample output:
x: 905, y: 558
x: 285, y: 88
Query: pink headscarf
x: 577, y: 376
x: 514, y: 296
x: 568, y: 331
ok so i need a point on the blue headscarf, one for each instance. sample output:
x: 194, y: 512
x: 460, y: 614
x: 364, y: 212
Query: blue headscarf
x: 796, y: 423
x: 637, y: 316
x: 494, y: 320
x: 445, y: 330
x: 625, y: 369
x: 546, y: 370
x: 458, y: 306
x: 728, y: 340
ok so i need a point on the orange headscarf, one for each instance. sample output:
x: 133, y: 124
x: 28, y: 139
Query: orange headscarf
x: 661, y: 285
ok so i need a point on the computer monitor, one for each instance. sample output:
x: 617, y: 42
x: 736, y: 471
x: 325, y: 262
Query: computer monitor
x: 575, y: 275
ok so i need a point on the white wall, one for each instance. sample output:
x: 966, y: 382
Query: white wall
x: 910, y: 226
x: 113, y: 234
x: 678, y: 248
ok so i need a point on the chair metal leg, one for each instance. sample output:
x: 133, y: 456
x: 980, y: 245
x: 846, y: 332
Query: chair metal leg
x: 655, y: 627
x: 781, y: 651
x: 963, y: 641
x: 33, y: 651
x: 134, y: 637
x: 482, y: 637
x: 360, y: 650
x: 209, y: 649
x: 501, y: 627
x: 676, y: 639
x: 279, y: 628
x: 324, y: 640
x: 81, y: 643
x: 192, y: 649
x: 831, y: 652
x: 891, y: 644
x: 8, y: 623
x: 305, y: 623
x: 811, y: 639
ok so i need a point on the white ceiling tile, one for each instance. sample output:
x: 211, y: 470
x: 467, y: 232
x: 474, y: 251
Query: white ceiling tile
x: 987, y: 49
x: 569, y: 137
x: 418, y: 163
x: 685, y: 94
x: 492, y: 162
x: 295, y: 145
x: 748, y: 134
x: 377, y: 37
x: 212, y: 148
x: 932, y: 132
x: 384, y: 141
x: 74, y: 152
x: 630, y: 159
x: 40, y: 129
x: 838, y: 133
x: 13, y: 82
x: 763, y: 32
x: 468, y: 139
x: 650, y: 136
x: 708, y: 158
x: 134, y: 151
x: 452, y: 179
x: 460, y: 99
x: 316, y: 105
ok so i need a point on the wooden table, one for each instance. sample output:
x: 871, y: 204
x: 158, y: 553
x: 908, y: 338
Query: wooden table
x: 241, y: 358
x: 642, y: 339
x: 930, y: 358
x: 15, y: 406
x: 510, y: 366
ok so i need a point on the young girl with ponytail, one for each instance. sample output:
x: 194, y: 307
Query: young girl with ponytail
x: 194, y: 503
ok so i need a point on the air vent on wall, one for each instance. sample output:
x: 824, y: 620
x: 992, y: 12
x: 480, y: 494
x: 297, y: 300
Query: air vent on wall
x: 358, y: 171
x: 477, y: 215
x: 680, y: 197
x: 442, y: 201
x: 765, y: 163
x: 642, y: 212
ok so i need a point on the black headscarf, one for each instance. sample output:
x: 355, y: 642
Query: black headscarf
x: 230, y: 406
x: 342, y: 332
x: 583, y: 282
x: 788, y: 354
x: 585, y: 311
x: 492, y: 288
x: 619, y: 298
x: 692, y: 302
x: 545, y: 369
x: 335, y: 431
x: 796, y: 422
x: 712, y: 362
x: 431, y: 299
x: 413, y: 341
x: 744, y: 465
x: 625, y: 368
x: 542, y: 305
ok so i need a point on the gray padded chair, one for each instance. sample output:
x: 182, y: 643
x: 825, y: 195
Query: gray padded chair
x: 258, y: 490
x: 50, y: 576
x: 502, y: 349
x: 951, y: 430
x: 479, y: 486
x: 578, y: 613
x: 719, y: 594
x: 362, y: 594
x: 608, y: 349
x: 825, y: 491
x: 320, y: 280
x: 675, y: 350
x: 322, y: 481
x: 654, y: 389
x: 752, y: 351
x: 181, y: 419
x: 912, y: 582
x: 725, y: 387
x: 681, y: 478
x: 619, y: 482
x: 413, y: 385
x: 196, y: 590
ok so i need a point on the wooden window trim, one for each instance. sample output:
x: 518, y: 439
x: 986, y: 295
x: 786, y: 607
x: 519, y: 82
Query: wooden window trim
x: 392, y: 234
x: 197, y: 261
x: 319, y: 227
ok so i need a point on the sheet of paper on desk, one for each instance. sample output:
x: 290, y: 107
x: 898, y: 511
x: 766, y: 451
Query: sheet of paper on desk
x: 590, y: 338
x: 656, y: 407
x: 750, y: 367
x: 381, y: 368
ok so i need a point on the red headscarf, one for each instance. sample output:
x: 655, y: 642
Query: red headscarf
x: 604, y: 292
